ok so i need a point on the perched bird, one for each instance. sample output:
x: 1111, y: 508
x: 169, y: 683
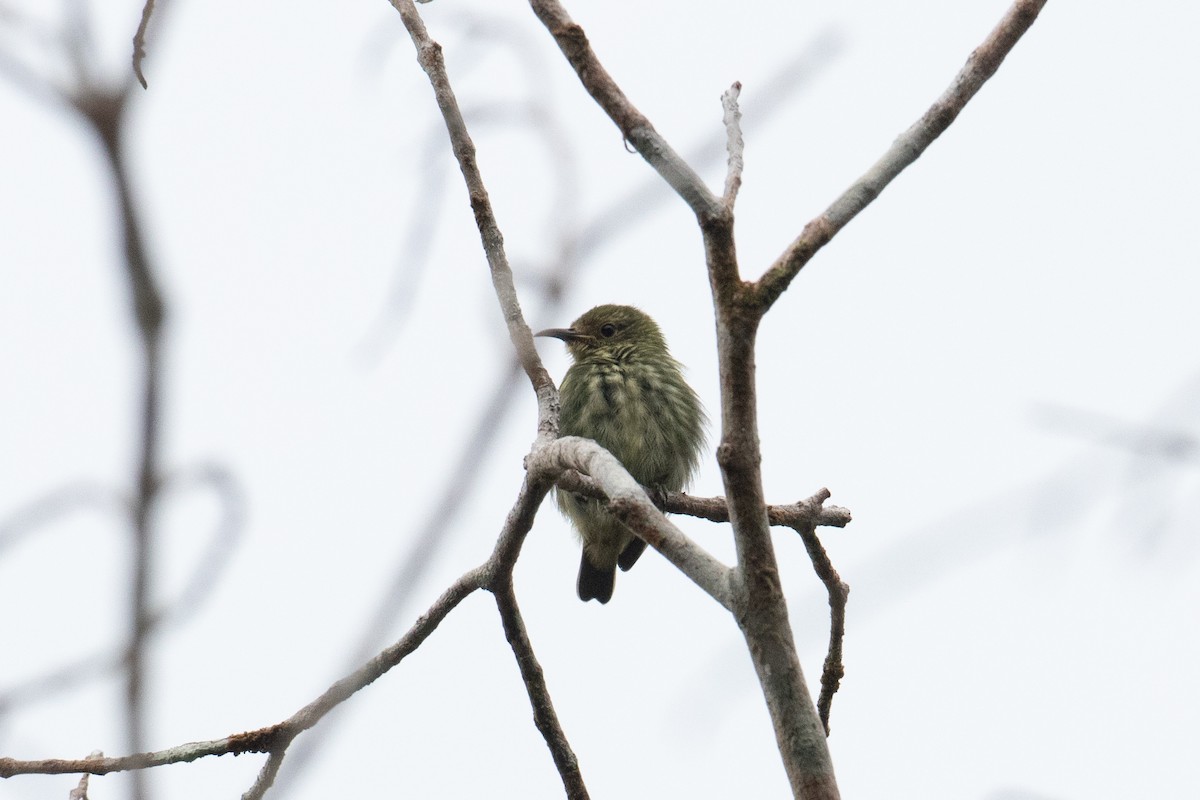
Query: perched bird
x: 626, y: 392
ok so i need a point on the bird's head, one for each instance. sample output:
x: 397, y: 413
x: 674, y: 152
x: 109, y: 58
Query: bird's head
x: 611, y: 332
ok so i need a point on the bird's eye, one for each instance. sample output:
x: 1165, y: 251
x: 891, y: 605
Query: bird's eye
x: 607, y: 330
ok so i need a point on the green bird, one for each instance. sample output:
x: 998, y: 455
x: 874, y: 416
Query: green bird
x: 626, y: 392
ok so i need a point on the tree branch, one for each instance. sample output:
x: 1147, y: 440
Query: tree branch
x: 80, y: 792
x: 275, y: 738
x: 758, y: 598
x: 907, y: 148
x: 493, y: 574
x: 759, y: 604
x: 629, y: 502
x: 105, y: 112
x: 634, y: 126
x: 734, y: 145
x: 715, y: 509
x: 139, y: 43
x: 753, y: 591
x: 266, y: 776
x: 833, y: 670
x: 429, y: 56
x: 544, y: 715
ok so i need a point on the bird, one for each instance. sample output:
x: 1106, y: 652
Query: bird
x: 626, y: 392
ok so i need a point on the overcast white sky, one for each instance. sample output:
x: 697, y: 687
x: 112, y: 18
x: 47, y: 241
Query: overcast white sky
x: 994, y: 367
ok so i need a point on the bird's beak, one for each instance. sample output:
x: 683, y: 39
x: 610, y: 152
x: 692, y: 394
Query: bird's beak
x: 566, y: 334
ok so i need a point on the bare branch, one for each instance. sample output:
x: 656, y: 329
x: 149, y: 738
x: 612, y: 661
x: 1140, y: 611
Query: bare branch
x: 760, y: 607
x: 803, y: 512
x: 275, y: 738
x: 266, y: 776
x: 769, y: 98
x: 483, y: 33
x: 630, y: 503
x: 907, y: 148
x: 734, y: 144
x: 833, y: 670
x: 753, y: 591
x: 222, y: 543
x: 544, y: 715
x: 627, y: 211
x: 715, y: 509
x: 759, y: 604
x: 57, y: 503
x: 139, y: 43
x: 80, y: 792
x: 804, y: 517
x: 429, y: 56
x: 103, y: 766
x: 105, y: 112
x: 634, y: 126
x: 501, y: 565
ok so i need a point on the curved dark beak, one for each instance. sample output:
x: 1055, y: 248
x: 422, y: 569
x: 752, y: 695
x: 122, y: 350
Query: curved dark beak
x: 566, y: 334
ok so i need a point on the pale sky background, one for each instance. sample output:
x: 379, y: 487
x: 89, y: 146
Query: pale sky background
x: 994, y: 367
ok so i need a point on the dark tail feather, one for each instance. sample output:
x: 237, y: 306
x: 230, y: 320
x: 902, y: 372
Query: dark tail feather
x: 595, y: 583
x: 632, y: 552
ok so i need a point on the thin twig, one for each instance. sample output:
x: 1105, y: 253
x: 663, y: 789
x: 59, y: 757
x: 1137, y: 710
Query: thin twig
x: 833, y: 669
x: 273, y: 738
x: 266, y: 775
x: 733, y: 144
x: 907, y: 148
x: 222, y: 544
x: 715, y: 509
x: 483, y: 34
x: 769, y: 98
x: 503, y: 560
x: 429, y: 56
x: 634, y: 126
x: 544, y: 715
x: 58, y: 503
x: 80, y: 792
x: 139, y: 43
x: 437, y: 524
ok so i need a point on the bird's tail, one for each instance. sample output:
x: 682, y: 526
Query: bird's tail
x: 632, y: 552
x: 595, y: 583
